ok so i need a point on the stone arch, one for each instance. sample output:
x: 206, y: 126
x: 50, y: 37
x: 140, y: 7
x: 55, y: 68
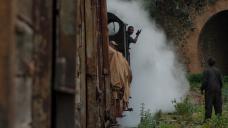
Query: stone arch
x: 213, y: 40
x: 193, y: 52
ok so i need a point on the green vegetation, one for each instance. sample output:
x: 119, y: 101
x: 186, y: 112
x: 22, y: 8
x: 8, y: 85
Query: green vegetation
x: 194, y: 78
x: 176, y: 16
x: 189, y: 113
x: 147, y: 119
x: 225, y: 79
x: 178, y: 10
x: 185, y: 108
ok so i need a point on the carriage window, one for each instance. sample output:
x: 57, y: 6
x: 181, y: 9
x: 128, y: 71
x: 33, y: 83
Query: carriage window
x: 64, y: 87
x: 113, y: 28
x: 66, y: 46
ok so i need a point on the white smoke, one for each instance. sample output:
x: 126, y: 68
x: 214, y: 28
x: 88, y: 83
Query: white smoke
x: 158, y: 78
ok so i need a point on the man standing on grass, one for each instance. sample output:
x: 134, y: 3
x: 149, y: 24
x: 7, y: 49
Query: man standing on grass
x: 212, y: 89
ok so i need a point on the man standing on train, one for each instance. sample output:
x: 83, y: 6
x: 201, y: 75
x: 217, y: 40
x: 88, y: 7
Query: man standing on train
x: 130, y: 31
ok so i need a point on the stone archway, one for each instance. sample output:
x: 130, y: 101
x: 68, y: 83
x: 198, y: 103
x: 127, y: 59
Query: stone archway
x: 213, y: 40
x: 193, y: 40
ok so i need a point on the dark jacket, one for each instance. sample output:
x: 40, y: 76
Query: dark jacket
x: 130, y: 40
x: 212, y: 80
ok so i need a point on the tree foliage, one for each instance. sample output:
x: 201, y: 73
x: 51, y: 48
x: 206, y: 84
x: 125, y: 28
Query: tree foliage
x: 175, y: 15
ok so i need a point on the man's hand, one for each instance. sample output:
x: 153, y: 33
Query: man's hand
x: 138, y: 32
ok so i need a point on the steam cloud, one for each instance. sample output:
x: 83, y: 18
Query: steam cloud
x: 158, y: 78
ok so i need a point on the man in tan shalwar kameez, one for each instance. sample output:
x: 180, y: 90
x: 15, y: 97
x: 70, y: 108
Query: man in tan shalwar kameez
x: 120, y: 80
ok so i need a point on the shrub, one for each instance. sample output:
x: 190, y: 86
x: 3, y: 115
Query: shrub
x: 195, y: 78
x: 185, y: 108
x: 147, y: 119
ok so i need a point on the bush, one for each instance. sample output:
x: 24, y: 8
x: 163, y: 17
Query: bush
x: 185, y: 108
x: 195, y: 78
x: 147, y: 119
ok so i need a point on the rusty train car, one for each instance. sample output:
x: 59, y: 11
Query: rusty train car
x: 54, y: 69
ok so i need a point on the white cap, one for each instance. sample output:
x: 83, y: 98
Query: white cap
x: 113, y: 43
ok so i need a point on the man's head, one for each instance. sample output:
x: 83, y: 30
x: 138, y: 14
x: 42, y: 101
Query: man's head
x: 211, y: 62
x: 130, y: 30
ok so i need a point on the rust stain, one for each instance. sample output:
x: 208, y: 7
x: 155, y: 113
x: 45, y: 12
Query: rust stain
x: 41, y: 109
x: 81, y: 67
x: 105, y: 40
x: 91, y: 65
x: 6, y: 63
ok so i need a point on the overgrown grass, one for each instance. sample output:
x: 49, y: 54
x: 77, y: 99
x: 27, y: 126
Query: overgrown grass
x: 188, y: 114
x: 194, y: 78
x: 216, y: 122
x: 148, y: 120
x: 185, y: 108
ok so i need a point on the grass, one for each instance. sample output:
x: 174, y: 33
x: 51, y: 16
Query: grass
x: 189, y: 113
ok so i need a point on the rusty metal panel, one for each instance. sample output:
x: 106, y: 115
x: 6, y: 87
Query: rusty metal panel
x: 80, y: 97
x: 105, y: 40
x: 91, y: 42
x: 24, y: 72
x: 24, y: 10
x: 66, y: 41
x: 7, y: 46
x: 97, y: 73
x: 41, y: 104
x: 24, y: 65
x: 101, y: 42
x: 91, y: 64
x: 105, y: 72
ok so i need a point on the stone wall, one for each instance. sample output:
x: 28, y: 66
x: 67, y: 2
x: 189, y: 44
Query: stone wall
x: 190, y: 49
x: 183, y: 22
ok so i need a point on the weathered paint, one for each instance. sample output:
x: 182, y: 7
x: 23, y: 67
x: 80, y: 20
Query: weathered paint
x: 41, y: 105
x: 64, y: 104
x: 80, y: 97
x: 67, y: 41
x: 24, y: 73
x: 104, y: 98
x: 24, y: 10
x: 105, y: 72
x: 7, y: 71
x: 24, y: 64
x: 91, y: 64
x: 34, y: 28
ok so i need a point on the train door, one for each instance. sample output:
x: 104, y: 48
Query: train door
x: 64, y: 19
x: 117, y: 33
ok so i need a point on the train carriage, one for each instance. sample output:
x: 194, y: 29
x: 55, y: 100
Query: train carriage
x: 54, y: 70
